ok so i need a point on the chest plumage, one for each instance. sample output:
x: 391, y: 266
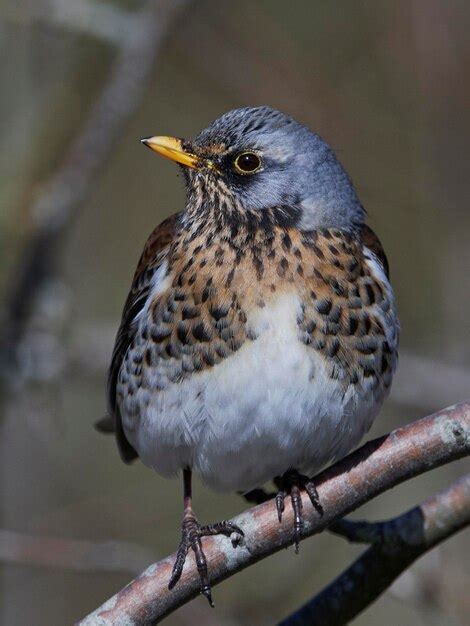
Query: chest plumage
x: 251, y: 343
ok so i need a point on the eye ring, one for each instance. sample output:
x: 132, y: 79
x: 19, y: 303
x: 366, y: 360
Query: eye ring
x: 247, y: 163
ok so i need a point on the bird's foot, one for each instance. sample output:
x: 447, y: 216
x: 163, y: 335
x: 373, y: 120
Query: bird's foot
x: 291, y: 483
x: 191, y: 533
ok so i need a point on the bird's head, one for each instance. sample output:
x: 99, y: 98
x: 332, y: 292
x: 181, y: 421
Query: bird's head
x: 256, y: 159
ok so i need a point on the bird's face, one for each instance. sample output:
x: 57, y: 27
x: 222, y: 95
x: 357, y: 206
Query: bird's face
x: 257, y: 158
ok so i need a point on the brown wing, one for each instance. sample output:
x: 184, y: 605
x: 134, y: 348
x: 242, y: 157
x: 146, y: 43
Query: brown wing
x: 153, y: 255
x: 371, y: 241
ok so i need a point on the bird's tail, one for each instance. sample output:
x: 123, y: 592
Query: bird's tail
x: 105, y: 425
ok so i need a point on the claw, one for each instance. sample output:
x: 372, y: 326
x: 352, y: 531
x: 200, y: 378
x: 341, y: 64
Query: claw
x: 280, y: 506
x: 292, y: 482
x: 296, y: 501
x: 192, y: 532
x: 313, y: 495
x: 179, y: 563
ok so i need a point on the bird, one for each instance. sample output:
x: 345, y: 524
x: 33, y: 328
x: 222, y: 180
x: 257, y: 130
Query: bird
x: 260, y: 335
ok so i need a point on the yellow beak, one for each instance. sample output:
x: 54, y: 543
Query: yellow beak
x: 171, y: 148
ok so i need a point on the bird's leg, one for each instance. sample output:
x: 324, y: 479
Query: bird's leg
x: 291, y: 483
x: 191, y: 533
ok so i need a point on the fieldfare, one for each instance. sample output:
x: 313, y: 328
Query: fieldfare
x: 259, y: 338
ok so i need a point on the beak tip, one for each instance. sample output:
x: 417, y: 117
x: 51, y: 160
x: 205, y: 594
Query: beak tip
x: 145, y: 141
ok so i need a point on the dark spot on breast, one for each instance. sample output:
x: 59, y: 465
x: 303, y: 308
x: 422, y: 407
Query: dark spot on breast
x: 355, y: 303
x: 218, y: 312
x: 188, y: 264
x: 242, y: 317
x: 179, y: 296
x: 192, y: 279
x: 353, y: 324
x: 203, y: 263
x: 332, y: 348
x: 331, y: 328
x: 227, y: 334
x: 386, y: 347
x: 338, y: 288
x: 200, y: 332
x: 190, y: 312
x: 282, y: 267
x: 229, y: 278
x: 273, y: 287
x: 353, y: 265
x: 159, y: 333
x: 198, y: 363
x: 286, y: 242
x: 208, y: 357
x: 300, y: 270
x: 370, y: 294
x: 313, y: 295
x: 353, y: 291
x: 367, y: 345
x: 324, y: 306
x: 137, y: 358
x: 318, y: 252
x: 207, y: 293
x: 182, y: 333
x: 222, y: 350
x: 297, y: 253
x: 172, y: 350
x: 310, y: 327
x: 368, y: 370
x: 259, y: 267
x: 335, y: 314
x: 318, y: 343
x: 333, y: 249
x: 318, y: 274
x: 148, y: 357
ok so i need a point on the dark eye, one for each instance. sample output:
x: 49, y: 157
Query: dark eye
x: 247, y: 163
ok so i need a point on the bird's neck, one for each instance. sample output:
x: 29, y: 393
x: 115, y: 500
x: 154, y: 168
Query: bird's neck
x: 213, y: 210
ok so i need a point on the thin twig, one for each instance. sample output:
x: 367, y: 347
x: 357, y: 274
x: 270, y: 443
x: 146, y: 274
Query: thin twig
x: 397, y: 543
x: 73, y: 554
x: 377, y: 466
x: 56, y: 206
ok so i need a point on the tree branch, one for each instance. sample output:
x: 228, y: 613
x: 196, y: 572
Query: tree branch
x: 397, y: 543
x: 53, y: 210
x: 376, y: 467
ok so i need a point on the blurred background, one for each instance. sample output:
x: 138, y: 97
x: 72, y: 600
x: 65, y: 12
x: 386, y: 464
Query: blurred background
x: 386, y: 83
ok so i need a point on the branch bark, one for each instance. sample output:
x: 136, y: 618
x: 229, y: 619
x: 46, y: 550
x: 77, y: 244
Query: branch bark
x: 397, y: 543
x: 376, y: 467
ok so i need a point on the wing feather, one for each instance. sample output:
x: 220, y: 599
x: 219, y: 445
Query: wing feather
x: 153, y: 256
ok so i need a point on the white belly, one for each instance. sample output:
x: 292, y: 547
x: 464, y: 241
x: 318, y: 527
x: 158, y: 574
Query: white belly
x: 269, y: 407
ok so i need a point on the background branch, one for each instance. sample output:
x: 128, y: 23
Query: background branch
x: 74, y: 554
x: 375, y: 467
x: 397, y: 544
x: 61, y: 196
